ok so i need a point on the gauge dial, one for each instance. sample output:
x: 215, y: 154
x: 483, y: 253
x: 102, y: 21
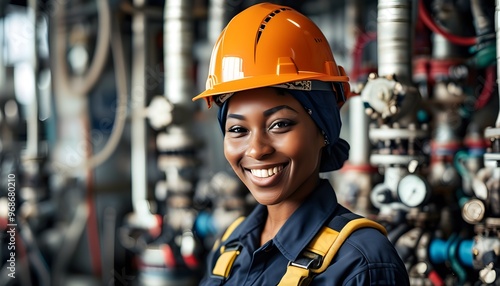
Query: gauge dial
x: 413, y: 190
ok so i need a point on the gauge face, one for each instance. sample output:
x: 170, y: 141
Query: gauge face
x: 413, y: 191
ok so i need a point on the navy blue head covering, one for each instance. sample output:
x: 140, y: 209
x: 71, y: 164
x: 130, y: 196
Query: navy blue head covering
x: 322, y: 107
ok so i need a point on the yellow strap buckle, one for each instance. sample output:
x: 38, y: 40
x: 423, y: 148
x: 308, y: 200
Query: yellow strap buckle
x: 226, y: 259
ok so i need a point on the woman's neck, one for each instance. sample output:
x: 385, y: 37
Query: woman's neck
x: 277, y: 215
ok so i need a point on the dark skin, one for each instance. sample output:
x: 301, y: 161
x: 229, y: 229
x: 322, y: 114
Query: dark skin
x: 274, y: 147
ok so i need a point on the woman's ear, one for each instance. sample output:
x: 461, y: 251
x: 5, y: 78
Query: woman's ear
x: 322, y: 140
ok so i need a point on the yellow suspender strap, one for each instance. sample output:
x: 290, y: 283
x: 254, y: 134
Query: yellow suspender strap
x: 225, y: 262
x: 321, y: 250
x: 231, y: 228
x: 228, y: 253
x: 295, y: 276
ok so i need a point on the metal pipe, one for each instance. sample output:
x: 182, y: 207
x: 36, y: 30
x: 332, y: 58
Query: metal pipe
x: 138, y: 126
x: 32, y: 139
x: 216, y: 20
x: 360, y: 143
x: 395, y: 39
x: 178, y: 42
x: 177, y: 142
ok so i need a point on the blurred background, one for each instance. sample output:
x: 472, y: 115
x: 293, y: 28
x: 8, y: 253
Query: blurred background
x: 111, y: 175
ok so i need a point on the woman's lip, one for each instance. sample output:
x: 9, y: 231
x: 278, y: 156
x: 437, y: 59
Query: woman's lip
x: 266, y: 181
x: 266, y: 172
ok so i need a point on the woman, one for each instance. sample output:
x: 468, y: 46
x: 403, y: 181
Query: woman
x: 279, y: 90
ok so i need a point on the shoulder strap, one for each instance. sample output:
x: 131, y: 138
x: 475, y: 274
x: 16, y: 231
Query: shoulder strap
x: 313, y: 260
x: 321, y: 250
x: 229, y: 252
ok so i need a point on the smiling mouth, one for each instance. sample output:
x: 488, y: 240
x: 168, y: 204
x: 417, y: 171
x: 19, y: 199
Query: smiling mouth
x: 265, y: 173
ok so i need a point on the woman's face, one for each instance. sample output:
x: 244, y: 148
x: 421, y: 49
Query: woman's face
x: 273, y: 145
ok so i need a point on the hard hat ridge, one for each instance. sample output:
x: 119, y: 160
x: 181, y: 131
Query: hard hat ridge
x: 267, y: 19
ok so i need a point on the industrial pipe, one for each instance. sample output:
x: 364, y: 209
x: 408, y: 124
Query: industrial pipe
x: 395, y: 39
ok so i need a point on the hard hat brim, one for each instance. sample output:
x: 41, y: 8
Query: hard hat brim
x: 266, y: 80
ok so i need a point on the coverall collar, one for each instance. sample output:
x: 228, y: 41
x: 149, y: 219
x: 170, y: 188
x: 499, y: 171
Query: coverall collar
x: 301, y: 227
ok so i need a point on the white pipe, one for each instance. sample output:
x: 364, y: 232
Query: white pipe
x: 359, y: 141
x: 32, y: 120
x: 138, y: 126
x: 216, y: 18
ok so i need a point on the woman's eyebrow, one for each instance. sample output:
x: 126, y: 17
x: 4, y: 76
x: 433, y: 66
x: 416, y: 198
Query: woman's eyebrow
x: 266, y: 113
x: 236, y: 116
x: 273, y: 110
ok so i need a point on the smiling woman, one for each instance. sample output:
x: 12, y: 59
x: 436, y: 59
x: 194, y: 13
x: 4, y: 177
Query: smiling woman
x: 279, y: 91
x: 265, y: 133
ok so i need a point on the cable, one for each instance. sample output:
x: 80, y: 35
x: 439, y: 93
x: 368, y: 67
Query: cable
x: 122, y: 98
x: 92, y: 224
x: 361, y: 42
x: 427, y: 20
x: 488, y: 87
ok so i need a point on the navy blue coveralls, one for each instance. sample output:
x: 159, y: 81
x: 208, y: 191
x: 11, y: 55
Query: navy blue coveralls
x: 367, y: 257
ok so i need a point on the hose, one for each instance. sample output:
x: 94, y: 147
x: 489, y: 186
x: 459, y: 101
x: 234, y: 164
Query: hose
x: 361, y: 42
x: 77, y: 85
x: 427, y: 20
x: 488, y: 87
x: 122, y: 98
x: 109, y: 33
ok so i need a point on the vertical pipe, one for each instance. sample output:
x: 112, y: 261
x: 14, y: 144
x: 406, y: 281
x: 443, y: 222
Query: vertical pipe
x: 360, y: 146
x: 394, y: 39
x: 32, y: 120
x: 138, y: 125
x: 353, y: 27
x: 178, y: 42
x: 216, y: 20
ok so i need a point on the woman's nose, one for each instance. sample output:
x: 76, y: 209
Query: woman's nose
x: 259, y: 146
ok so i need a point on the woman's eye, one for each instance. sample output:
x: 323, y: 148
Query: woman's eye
x: 236, y: 129
x: 281, y: 124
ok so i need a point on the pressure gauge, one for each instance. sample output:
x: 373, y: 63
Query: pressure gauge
x: 413, y: 190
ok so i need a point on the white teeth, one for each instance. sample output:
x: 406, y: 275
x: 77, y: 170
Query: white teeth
x: 264, y: 173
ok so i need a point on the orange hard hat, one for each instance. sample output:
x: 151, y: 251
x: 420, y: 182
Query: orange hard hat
x: 267, y: 45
